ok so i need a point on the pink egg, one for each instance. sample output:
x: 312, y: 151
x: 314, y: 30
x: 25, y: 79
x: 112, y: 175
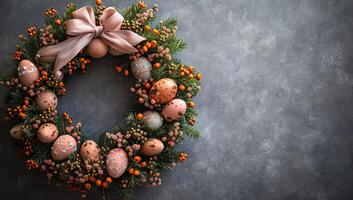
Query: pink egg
x: 90, y: 151
x: 116, y: 163
x: 63, y: 147
x: 15, y: 132
x: 27, y: 72
x: 97, y: 48
x: 174, y: 110
x: 152, y: 147
x: 47, y: 133
x: 46, y: 99
x: 164, y: 90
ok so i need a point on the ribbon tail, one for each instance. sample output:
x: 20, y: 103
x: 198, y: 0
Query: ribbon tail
x: 65, y: 51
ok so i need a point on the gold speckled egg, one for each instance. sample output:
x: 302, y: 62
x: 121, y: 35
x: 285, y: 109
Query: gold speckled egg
x: 63, y: 147
x: 90, y: 151
x: 152, y: 147
x: 15, y: 132
x: 174, y: 110
x: 163, y: 90
x: 27, y: 72
x: 116, y: 162
x: 47, y: 133
x: 46, y: 99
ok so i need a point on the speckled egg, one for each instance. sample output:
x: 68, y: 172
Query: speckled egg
x: 141, y: 68
x: 174, y: 110
x: 46, y: 99
x: 152, y: 120
x: 27, y: 72
x: 90, y: 151
x: 15, y: 132
x: 63, y: 147
x: 152, y: 147
x: 116, y: 162
x: 163, y: 90
x: 47, y: 133
x: 97, y: 48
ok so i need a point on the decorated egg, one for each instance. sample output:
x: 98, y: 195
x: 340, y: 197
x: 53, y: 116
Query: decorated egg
x: 116, y: 163
x: 47, y: 133
x: 46, y: 99
x: 141, y: 68
x: 15, y: 132
x: 174, y: 110
x: 90, y: 151
x: 163, y: 90
x: 152, y: 147
x: 152, y: 120
x: 27, y: 72
x: 63, y: 147
x: 115, y: 52
x: 97, y: 48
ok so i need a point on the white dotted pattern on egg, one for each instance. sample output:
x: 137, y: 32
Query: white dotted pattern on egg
x: 116, y: 162
x: 63, y: 147
x: 141, y: 68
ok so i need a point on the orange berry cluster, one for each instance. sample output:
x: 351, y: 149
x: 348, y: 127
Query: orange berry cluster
x: 67, y: 117
x: 134, y: 172
x: 50, y: 12
x: 19, y: 110
x: 137, y: 160
x: 189, y: 72
x: 141, y: 4
x: 183, y: 157
x: 147, y: 46
x: 31, y: 31
x: 17, y: 55
x: 104, y: 184
x: 31, y: 164
x: 144, y: 48
x: 84, y: 62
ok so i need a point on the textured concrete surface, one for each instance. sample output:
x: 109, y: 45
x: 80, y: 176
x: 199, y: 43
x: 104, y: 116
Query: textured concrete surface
x: 276, y: 106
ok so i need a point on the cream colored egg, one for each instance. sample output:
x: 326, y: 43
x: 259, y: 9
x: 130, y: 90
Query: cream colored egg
x: 141, y: 68
x: 15, y: 132
x: 174, y: 110
x: 97, y: 48
x: 90, y: 151
x: 63, y: 147
x: 47, y: 133
x: 116, y: 162
x: 152, y: 147
x: 27, y: 72
x: 152, y: 120
x: 46, y: 99
x: 163, y: 90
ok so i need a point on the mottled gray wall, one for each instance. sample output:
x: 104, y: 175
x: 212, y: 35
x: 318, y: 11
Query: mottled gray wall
x: 276, y: 106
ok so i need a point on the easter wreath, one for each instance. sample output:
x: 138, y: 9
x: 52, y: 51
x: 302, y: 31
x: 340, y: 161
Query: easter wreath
x: 125, y: 157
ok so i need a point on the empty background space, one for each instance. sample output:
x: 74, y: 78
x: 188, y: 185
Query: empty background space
x: 276, y: 107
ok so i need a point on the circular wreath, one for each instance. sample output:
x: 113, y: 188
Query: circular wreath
x: 125, y: 157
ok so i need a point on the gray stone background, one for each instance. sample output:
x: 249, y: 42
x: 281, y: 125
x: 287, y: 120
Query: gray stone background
x: 275, y: 111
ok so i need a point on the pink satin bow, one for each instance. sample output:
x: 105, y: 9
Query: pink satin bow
x: 83, y: 29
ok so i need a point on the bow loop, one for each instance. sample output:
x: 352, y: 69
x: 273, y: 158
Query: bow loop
x: 83, y: 28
